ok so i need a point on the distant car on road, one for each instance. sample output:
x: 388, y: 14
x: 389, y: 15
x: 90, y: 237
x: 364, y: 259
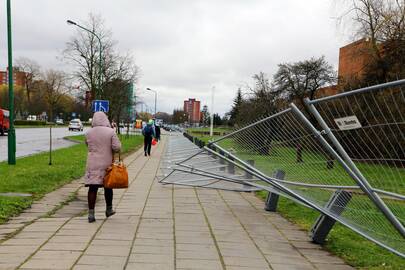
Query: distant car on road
x: 32, y: 118
x: 75, y: 124
x: 59, y: 121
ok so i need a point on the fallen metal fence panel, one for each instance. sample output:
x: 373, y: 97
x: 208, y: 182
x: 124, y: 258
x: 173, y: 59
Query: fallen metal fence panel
x: 342, y: 155
x: 314, y: 173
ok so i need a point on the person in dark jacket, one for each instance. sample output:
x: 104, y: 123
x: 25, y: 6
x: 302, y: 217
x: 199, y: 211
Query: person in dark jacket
x: 148, y: 132
x: 157, y: 130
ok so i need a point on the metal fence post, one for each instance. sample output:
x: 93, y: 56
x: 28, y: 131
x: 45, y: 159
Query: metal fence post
x: 272, y: 198
x: 231, y: 166
x: 222, y: 161
x: 324, y: 224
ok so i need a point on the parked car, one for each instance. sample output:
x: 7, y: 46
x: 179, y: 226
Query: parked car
x: 75, y: 124
x: 4, y: 121
x: 59, y: 121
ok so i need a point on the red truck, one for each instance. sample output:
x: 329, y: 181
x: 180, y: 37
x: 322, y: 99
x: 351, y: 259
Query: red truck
x: 4, y: 121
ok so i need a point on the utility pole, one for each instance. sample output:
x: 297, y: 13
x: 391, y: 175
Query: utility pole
x: 212, y: 112
x: 11, y: 132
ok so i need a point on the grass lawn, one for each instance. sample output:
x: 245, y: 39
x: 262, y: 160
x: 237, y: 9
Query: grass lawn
x: 33, y: 174
x: 350, y: 246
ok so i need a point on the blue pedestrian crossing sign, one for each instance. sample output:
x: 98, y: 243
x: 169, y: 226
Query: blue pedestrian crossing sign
x: 100, y: 106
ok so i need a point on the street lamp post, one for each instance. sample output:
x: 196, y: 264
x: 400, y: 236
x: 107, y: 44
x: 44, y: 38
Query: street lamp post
x: 155, y: 97
x: 99, y: 63
x: 11, y: 132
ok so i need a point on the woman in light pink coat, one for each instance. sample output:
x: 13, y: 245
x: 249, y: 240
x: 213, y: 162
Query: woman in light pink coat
x: 102, y: 142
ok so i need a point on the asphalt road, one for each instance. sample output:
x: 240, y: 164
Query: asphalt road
x: 35, y: 140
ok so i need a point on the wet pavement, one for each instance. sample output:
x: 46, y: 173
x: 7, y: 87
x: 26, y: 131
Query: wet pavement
x: 35, y: 140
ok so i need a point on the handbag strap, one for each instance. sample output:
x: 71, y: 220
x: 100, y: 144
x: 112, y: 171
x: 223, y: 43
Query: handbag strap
x: 119, y: 157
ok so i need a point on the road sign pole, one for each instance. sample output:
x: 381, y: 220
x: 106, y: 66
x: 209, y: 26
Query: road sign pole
x: 11, y: 132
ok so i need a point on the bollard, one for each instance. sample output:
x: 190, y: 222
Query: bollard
x: 50, y: 145
x: 231, y: 166
x: 272, y: 198
x: 213, y: 148
x: 251, y: 162
x: 222, y: 161
x: 324, y: 224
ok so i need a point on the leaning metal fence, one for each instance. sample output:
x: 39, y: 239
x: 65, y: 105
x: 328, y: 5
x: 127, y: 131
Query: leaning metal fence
x: 342, y: 155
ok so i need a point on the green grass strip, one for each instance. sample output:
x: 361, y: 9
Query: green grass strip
x: 350, y: 246
x: 33, y: 174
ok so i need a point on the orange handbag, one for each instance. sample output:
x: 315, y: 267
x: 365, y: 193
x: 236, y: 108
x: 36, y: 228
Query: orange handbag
x: 116, y: 175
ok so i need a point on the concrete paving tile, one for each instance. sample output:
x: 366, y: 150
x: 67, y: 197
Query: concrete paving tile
x: 149, y: 266
x: 24, y: 242
x: 70, y: 239
x: 143, y: 249
x: 112, y: 243
x: 78, y: 246
x: 201, y: 254
x: 104, y: 261
x: 198, y: 264
x: 48, y: 263
x: 149, y: 258
x: 292, y: 267
x: 5, y: 249
x: 243, y: 261
x: 246, y: 268
x: 328, y: 266
x: 241, y: 252
x: 285, y: 259
x: 117, y: 251
x: 153, y: 242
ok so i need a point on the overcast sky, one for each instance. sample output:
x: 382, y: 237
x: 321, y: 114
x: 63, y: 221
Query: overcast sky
x: 184, y: 47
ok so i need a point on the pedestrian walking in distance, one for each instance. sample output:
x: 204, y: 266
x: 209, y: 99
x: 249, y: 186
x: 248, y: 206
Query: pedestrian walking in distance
x: 102, y: 143
x: 157, y: 130
x: 148, y: 133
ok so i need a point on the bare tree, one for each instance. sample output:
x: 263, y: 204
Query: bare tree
x: 31, y: 71
x: 83, y: 52
x: 54, y: 89
x: 382, y: 22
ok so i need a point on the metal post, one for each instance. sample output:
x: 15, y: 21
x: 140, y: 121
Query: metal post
x: 231, y: 166
x: 11, y: 132
x: 221, y: 160
x: 351, y: 170
x: 212, y: 113
x: 323, y: 225
x: 248, y: 175
x: 272, y: 198
x: 50, y: 145
x: 155, y: 102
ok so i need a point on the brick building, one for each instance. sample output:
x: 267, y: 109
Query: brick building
x: 192, y: 108
x: 353, y: 61
x: 18, y: 76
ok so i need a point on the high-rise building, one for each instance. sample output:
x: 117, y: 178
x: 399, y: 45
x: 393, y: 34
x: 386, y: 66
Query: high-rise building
x: 19, y: 77
x: 192, y: 108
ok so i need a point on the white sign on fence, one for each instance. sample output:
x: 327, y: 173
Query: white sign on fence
x: 347, y: 123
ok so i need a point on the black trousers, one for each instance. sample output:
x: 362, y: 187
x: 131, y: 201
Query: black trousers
x: 147, y: 144
x: 92, y: 196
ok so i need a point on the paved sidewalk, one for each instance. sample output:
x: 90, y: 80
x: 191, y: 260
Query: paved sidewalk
x: 164, y: 227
